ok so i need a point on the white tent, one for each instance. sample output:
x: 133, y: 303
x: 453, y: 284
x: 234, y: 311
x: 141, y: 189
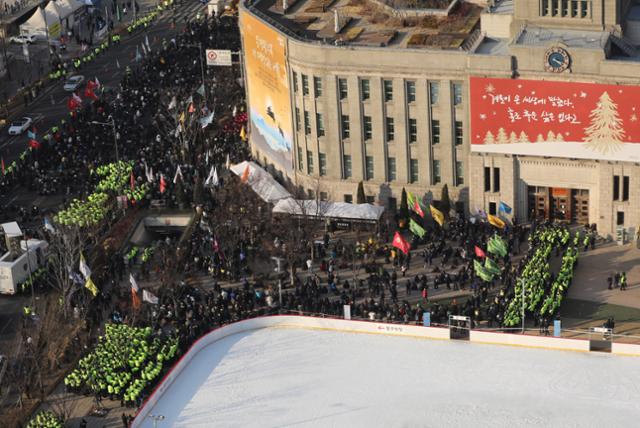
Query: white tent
x: 324, y: 209
x: 262, y: 182
x: 67, y: 7
x: 37, y: 24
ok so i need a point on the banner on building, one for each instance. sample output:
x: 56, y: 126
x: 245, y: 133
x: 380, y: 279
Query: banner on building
x: 549, y: 118
x: 268, y: 91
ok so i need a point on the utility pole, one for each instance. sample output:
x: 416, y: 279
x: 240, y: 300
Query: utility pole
x: 278, y: 261
x: 522, y: 283
x: 112, y: 124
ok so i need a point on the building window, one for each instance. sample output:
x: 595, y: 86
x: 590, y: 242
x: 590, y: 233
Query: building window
x: 309, y: 161
x: 435, y: 132
x: 319, y: 125
x: 365, y: 89
x: 300, y: 161
x: 487, y: 179
x: 295, y: 82
x: 322, y: 161
x: 317, y: 86
x: 457, y: 94
x: 413, y: 170
x: 307, y: 123
x: 492, y: 208
x: 411, y: 91
x: 348, y: 199
x: 344, y: 126
x: 368, y: 160
x: 297, y: 118
x: 413, y: 130
x: 346, y: 163
x: 435, y: 168
x: 496, y: 179
x: 366, y: 127
x: 620, y: 218
x: 305, y: 84
x: 565, y: 8
x: 324, y: 196
x: 458, y: 133
x: 370, y: 199
x: 625, y: 188
x: 342, y: 88
x: 459, y: 173
x: 616, y: 187
x: 390, y: 129
x: 391, y: 168
x: 434, y: 92
x: 388, y: 90
x: 310, y: 194
x: 393, y: 204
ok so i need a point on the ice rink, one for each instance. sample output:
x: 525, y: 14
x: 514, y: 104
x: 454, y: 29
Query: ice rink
x: 289, y: 377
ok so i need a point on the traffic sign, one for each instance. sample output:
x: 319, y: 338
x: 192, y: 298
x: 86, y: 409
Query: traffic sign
x: 218, y: 57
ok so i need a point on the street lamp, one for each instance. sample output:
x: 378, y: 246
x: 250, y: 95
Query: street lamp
x: 111, y: 123
x: 156, y: 418
x: 200, y: 54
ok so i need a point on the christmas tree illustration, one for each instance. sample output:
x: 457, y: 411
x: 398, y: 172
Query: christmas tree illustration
x: 489, y: 138
x: 559, y: 137
x: 551, y: 137
x: 524, y: 138
x: 502, y: 137
x: 513, y: 138
x: 605, y: 132
x: 540, y: 139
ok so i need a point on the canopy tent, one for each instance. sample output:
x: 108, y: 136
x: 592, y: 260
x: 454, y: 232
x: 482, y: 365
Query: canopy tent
x: 332, y: 210
x: 37, y: 24
x: 261, y: 182
x: 67, y: 7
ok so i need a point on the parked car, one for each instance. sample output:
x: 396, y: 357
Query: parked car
x: 22, y: 39
x: 19, y: 126
x: 73, y: 82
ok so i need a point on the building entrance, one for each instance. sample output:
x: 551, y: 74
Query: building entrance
x: 558, y: 203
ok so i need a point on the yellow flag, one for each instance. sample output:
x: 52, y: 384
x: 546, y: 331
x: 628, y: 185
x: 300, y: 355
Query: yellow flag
x: 243, y: 134
x: 437, y: 215
x: 182, y: 117
x: 497, y: 222
x: 89, y: 285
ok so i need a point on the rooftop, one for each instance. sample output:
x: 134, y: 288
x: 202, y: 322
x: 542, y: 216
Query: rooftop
x: 427, y: 24
x: 535, y: 36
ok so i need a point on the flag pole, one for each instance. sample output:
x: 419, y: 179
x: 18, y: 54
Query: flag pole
x: 522, y: 282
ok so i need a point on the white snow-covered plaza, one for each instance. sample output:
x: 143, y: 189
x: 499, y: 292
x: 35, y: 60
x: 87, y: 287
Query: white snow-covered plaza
x: 296, y: 377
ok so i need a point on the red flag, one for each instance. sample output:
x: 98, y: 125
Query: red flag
x: 34, y: 144
x: 91, y: 85
x: 2, y: 165
x: 191, y: 108
x: 418, y: 209
x: 245, y: 175
x: 132, y: 181
x: 163, y: 184
x: 90, y: 94
x: 479, y: 252
x: 400, y: 243
x: 135, y: 300
x: 72, y: 104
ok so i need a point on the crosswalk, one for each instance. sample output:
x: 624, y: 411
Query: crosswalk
x: 188, y: 9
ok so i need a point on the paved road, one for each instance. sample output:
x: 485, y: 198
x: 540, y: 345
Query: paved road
x: 51, y: 107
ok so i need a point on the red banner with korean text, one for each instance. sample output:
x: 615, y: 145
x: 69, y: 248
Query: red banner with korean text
x: 547, y: 118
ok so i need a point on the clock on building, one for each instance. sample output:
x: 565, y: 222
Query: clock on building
x: 557, y: 60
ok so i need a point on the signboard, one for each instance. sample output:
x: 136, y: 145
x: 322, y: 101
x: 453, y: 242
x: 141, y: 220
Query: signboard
x: 347, y: 312
x: 563, y: 119
x: 218, y: 57
x: 426, y: 319
x: 557, y: 328
x: 268, y: 91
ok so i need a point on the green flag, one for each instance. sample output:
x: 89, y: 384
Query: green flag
x: 416, y: 229
x: 497, y: 246
x: 491, y: 266
x: 481, y: 272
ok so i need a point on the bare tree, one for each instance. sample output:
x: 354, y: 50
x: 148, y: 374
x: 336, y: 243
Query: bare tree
x: 64, y: 256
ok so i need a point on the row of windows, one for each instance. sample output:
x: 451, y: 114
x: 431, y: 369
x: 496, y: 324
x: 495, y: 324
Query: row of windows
x: 565, y: 8
x: 387, y: 89
x: 347, y: 171
x: 617, y: 195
